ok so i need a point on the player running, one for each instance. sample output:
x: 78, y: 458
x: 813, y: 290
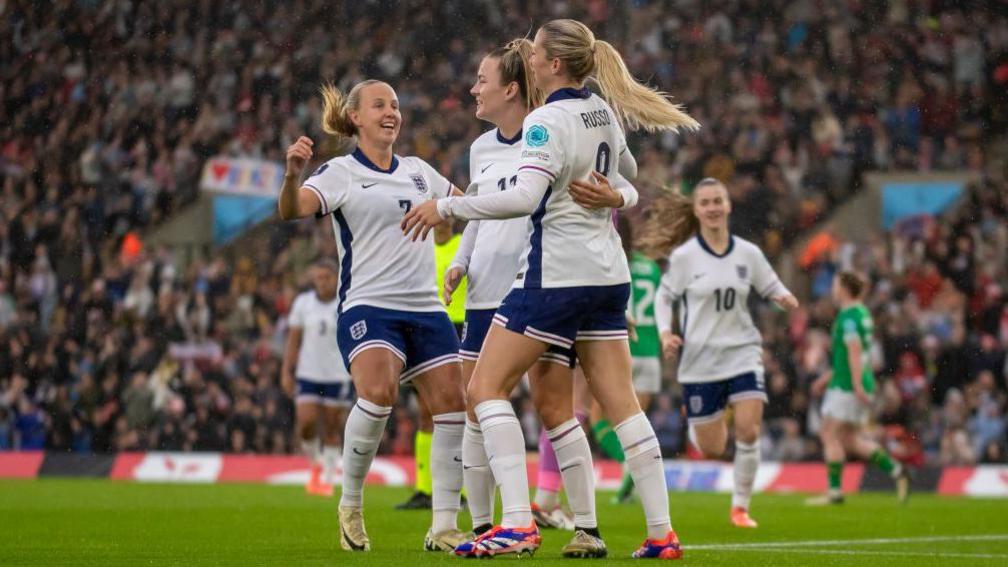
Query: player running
x: 846, y: 406
x: 573, y: 286
x: 324, y: 390
x: 720, y: 351
x: 392, y: 326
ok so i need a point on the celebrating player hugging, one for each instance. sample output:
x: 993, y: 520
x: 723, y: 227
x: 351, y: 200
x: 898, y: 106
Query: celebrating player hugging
x: 392, y: 326
x: 720, y: 349
x: 573, y: 286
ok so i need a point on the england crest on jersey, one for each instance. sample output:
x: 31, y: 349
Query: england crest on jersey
x: 358, y: 330
x: 742, y: 270
x: 420, y: 182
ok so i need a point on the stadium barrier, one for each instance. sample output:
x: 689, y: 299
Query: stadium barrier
x: 680, y: 475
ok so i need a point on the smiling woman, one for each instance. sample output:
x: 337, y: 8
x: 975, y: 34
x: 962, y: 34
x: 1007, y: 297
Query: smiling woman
x: 391, y: 326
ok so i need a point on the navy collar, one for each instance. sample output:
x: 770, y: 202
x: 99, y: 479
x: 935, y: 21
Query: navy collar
x: 709, y: 250
x: 509, y: 141
x: 568, y: 93
x: 359, y: 155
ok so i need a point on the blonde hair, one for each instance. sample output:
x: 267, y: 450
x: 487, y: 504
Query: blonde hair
x: 636, y: 105
x: 671, y: 221
x: 513, y: 62
x: 336, y: 108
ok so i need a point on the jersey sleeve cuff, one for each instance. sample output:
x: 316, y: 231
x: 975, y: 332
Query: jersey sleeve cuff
x: 539, y: 170
x: 444, y: 207
x: 322, y: 200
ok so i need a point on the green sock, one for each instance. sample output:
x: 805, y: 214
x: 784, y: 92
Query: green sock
x: 835, y: 473
x: 607, y: 440
x: 882, y: 460
x: 421, y: 452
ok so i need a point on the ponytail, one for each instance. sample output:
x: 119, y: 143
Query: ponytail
x: 670, y: 223
x: 336, y: 109
x: 638, y: 106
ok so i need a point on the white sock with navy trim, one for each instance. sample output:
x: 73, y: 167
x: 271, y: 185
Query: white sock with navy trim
x: 643, y: 458
x: 446, y: 469
x: 747, y: 458
x: 364, y: 428
x: 575, y: 459
x: 505, y: 448
x: 476, y: 476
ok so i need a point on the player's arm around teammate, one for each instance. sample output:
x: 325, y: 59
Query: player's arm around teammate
x: 392, y: 325
x: 574, y: 286
x: 720, y: 349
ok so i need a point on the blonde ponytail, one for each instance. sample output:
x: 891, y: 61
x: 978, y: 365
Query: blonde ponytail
x: 638, y: 106
x: 336, y: 108
x: 513, y: 63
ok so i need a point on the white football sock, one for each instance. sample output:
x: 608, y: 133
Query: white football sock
x: 476, y: 475
x: 330, y: 462
x: 364, y: 428
x: 505, y: 448
x: 747, y: 458
x: 574, y: 457
x: 310, y: 449
x: 446, y: 469
x: 643, y: 458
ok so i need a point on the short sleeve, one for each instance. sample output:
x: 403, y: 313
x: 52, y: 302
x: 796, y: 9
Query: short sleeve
x: 439, y: 184
x: 331, y: 183
x: 542, y: 144
x: 296, y: 318
x: 765, y: 279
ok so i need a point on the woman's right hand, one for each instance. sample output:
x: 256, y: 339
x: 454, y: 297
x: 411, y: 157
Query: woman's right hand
x: 298, y: 155
x: 670, y: 344
x: 451, y: 281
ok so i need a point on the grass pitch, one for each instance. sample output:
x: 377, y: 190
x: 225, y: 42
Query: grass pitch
x: 100, y: 522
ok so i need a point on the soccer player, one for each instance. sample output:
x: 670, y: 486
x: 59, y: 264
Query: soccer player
x: 573, y: 287
x: 324, y: 390
x: 490, y: 256
x: 392, y: 326
x: 846, y: 406
x: 720, y: 352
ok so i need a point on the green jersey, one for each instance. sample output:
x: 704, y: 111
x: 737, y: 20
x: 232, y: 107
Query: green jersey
x: 854, y: 322
x: 645, y: 276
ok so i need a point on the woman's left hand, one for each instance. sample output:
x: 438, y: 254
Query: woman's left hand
x: 420, y: 220
x: 595, y: 194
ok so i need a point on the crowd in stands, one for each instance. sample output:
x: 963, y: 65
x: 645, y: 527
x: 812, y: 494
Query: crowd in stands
x: 108, y: 110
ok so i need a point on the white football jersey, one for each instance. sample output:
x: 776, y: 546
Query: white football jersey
x: 319, y: 358
x: 497, y: 253
x: 720, y: 339
x: 378, y: 265
x: 573, y: 134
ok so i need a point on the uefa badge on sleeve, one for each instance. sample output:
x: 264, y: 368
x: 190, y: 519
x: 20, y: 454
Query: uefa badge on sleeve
x: 420, y: 182
x: 358, y: 330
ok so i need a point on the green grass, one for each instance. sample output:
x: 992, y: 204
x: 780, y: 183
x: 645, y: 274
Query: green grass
x: 88, y: 522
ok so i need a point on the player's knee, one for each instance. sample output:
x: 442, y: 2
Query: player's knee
x: 553, y: 415
x: 307, y: 429
x: 747, y: 433
x: 713, y: 449
x: 379, y: 394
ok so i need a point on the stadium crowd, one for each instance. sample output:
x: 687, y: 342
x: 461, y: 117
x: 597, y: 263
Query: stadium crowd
x: 109, y: 109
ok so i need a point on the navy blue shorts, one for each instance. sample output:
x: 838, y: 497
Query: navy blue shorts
x: 477, y: 325
x: 560, y: 316
x: 706, y: 401
x: 325, y: 393
x: 422, y: 340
